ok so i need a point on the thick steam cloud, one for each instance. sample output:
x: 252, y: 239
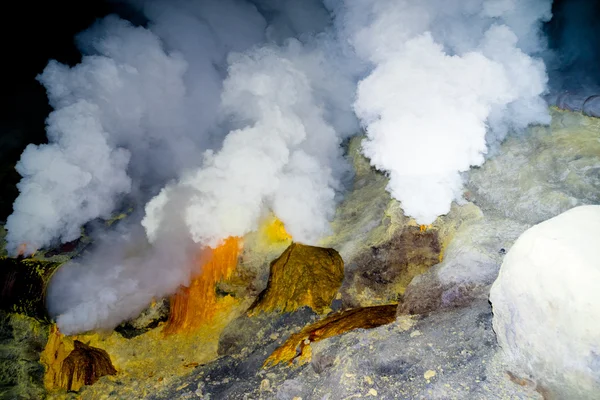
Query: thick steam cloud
x: 287, y: 158
x: 219, y: 112
x: 444, y: 74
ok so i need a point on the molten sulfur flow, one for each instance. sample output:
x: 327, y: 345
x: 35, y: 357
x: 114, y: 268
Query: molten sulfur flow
x: 198, y: 304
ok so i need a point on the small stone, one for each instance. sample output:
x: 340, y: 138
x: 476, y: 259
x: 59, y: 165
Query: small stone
x: 372, y: 392
x: 369, y: 380
x: 297, y: 398
x: 415, y: 333
x: 265, y: 385
x: 429, y: 374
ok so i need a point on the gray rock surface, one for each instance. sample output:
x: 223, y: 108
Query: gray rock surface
x: 444, y: 355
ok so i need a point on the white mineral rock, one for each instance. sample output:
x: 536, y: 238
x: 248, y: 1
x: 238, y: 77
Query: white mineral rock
x: 546, y: 304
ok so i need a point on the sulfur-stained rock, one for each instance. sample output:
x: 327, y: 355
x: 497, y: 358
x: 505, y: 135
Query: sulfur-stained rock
x: 298, y: 345
x: 302, y: 276
x: 260, y: 248
x: 543, y: 173
x: 382, y: 273
x: 84, y: 366
x: 72, y: 364
x: 21, y: 373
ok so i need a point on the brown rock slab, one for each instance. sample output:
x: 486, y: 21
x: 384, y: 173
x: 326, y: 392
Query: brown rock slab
x: 297, y: 347
x: 84, y: 366
x: 72, y: 364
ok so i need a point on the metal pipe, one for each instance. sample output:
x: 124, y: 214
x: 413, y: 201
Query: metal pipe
x: 587, y: 104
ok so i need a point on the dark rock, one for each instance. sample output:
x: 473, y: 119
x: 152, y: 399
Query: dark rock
x: 389, y: 268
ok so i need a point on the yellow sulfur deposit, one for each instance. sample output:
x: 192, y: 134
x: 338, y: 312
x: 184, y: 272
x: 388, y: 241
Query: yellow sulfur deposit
x: 302, y: 276
x: 71, y: 364
x: 273, y: 231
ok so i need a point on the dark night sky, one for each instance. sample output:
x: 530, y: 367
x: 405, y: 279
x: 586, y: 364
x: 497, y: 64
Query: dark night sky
x: 36, y: 32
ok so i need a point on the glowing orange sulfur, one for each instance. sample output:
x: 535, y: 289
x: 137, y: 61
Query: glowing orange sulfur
x: 22, y: 250
x: 196, y: 305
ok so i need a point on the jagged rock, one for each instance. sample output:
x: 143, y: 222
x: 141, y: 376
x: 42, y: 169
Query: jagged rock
x: 470, y: 265
x: 246, y: 334
x: 84, y: 366
x: 71, y: 364
x: 302, y: 276
x: 297, y: 347
x: 381, y: 274
x: 381, y: 247
x: 260, y: 248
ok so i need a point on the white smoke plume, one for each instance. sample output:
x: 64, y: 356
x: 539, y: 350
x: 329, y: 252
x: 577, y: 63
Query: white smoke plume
x: 130, y: 110
x: 445, y: 74
x: 118, y: 279
x: 286, y: 158
x: 218, y: 112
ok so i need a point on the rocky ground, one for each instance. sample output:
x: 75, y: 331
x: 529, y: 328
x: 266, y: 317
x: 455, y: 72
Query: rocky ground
x: 439, y: 355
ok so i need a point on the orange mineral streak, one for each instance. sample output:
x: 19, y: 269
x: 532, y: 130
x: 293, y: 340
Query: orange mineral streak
x: 197, y: 304
x: 25, y: 249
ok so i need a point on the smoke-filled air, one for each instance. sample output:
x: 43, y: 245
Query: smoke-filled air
x: 215, y: 113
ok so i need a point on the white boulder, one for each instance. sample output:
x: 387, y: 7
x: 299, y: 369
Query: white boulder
x: 546, y: 303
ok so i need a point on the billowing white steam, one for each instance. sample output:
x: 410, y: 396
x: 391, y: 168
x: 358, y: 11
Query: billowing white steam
x: 444, y: 73
x: 237, y: 108
x: 287, y: 157
x: 129, y: 110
